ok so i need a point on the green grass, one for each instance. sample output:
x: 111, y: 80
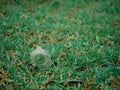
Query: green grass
x: 83, y: 37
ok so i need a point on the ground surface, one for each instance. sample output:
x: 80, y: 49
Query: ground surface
x: 82, y: 37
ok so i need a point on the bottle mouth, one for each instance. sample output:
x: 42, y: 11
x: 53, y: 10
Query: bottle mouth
x: 39, y: 59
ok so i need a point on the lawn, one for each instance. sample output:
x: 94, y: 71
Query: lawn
x: 81, y: 36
